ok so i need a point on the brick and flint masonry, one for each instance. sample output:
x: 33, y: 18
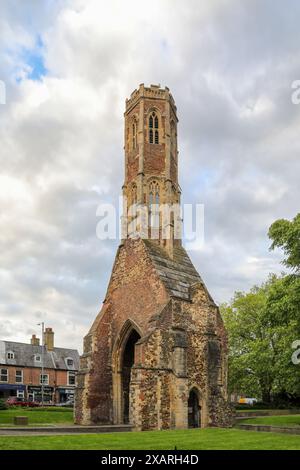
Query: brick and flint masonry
x: 156, y: 355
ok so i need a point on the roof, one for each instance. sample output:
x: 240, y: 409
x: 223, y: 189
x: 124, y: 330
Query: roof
x: 25, y: 354
x: 178, y: 274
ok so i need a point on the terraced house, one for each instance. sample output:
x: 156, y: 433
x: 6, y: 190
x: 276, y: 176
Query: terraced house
x: 27, y: 368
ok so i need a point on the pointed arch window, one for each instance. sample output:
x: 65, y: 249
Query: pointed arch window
x: 134, y: 135
x: 134, y: 194
x: 153, y: 128
x: 128, y: 138
x: 173, y: 139
x: 153, y: 193
x: 154, y: 209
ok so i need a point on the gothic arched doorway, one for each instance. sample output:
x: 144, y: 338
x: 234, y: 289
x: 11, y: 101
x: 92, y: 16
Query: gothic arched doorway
x: 194, y: 410
x: 127, y: 362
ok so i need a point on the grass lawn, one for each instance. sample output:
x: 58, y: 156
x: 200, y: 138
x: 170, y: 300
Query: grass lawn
x: 198, y: 439
x: 253, y: 410
x: 37, y: 416
x: 288, y: 420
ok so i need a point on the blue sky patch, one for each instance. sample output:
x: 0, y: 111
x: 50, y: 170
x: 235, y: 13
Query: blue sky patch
x: 36, y: 63
x: 34, y: 58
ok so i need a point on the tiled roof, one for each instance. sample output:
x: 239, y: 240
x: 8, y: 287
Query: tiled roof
x: 178, y: 274
x: 25, y: 354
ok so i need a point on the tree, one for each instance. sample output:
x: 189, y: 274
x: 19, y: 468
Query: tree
x: 284, y: 300
x: 259, y: 348
x: 286, y: 235
x: 263, y: 323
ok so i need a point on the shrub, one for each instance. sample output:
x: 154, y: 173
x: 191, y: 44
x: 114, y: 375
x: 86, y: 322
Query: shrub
x: 51, y: 409
x: 275, y: 405
x: 3, y: 405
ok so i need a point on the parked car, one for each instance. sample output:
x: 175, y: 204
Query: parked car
x: 68, y: 403
x: 247, y: 401
x: 17, y: 401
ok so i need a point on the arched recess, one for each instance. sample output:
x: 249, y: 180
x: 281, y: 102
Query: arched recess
x: 173, y: 139
x: 134, y: 133
x: 194, y: 409
x: 123, y: 360
x: 133, y: 195
x: 153, y: 208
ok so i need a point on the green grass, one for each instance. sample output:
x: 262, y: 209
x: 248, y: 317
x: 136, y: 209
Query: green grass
x: 37, y: 416
x: 270, y: 411
x: 204, y: 439
x: 254, y: 411
x: 284, y: 420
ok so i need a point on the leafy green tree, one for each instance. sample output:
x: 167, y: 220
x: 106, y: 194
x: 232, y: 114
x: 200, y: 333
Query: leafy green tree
x: 284, y: 299
x: 259, y: 349
x: 285, y: 234
x: 263, y: 323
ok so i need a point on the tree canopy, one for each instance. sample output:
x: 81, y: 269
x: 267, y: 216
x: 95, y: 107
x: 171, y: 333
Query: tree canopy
x: 263, y: 323
x: 285, y: 234
x: 260, y: 350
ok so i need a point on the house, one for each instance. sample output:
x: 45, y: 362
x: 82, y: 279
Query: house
x: 30, y: 370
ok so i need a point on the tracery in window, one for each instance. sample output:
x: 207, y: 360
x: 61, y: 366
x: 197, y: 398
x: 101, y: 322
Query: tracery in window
x: 153, y: 128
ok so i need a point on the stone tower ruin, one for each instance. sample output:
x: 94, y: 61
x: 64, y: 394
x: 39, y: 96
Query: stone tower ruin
x: 156, y: 354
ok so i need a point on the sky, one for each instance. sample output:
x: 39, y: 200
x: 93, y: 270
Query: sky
x: 68, y: 67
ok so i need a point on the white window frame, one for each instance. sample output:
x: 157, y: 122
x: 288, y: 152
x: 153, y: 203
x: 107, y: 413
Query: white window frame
x: 36, y: 358
x: 22, y: 377
x: 20, y: 394
x: 3, y: 381
x: 69, y: 359
x: 73, y: 374
x: 10, y: 353
x: 47, y: 380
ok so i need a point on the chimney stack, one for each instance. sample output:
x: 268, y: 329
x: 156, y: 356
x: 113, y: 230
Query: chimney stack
x: 35, y: 341
x: 49, y: 339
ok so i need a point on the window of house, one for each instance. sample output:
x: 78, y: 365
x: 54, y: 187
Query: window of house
x: 19, y: 376
x: 71, y: 378
x: 44, y: 379
x: 37, y: 358
x: 20, y: 394
x: 70, y: 362
x: 10, y: 355
x: 153, y: 128
x: 3, y: 375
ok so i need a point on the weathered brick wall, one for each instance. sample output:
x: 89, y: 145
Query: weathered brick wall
x: 183, y: 345
x: 154, y: 162
x: 183, y: 342
x: 188, y: 326
x: 175, y: 333
x: 129, y: 296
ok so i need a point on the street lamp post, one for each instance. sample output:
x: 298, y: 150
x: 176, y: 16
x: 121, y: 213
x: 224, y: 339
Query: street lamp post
x: 43, y: 348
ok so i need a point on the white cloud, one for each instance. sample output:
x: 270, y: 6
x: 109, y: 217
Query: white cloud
x: 229, y: 65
